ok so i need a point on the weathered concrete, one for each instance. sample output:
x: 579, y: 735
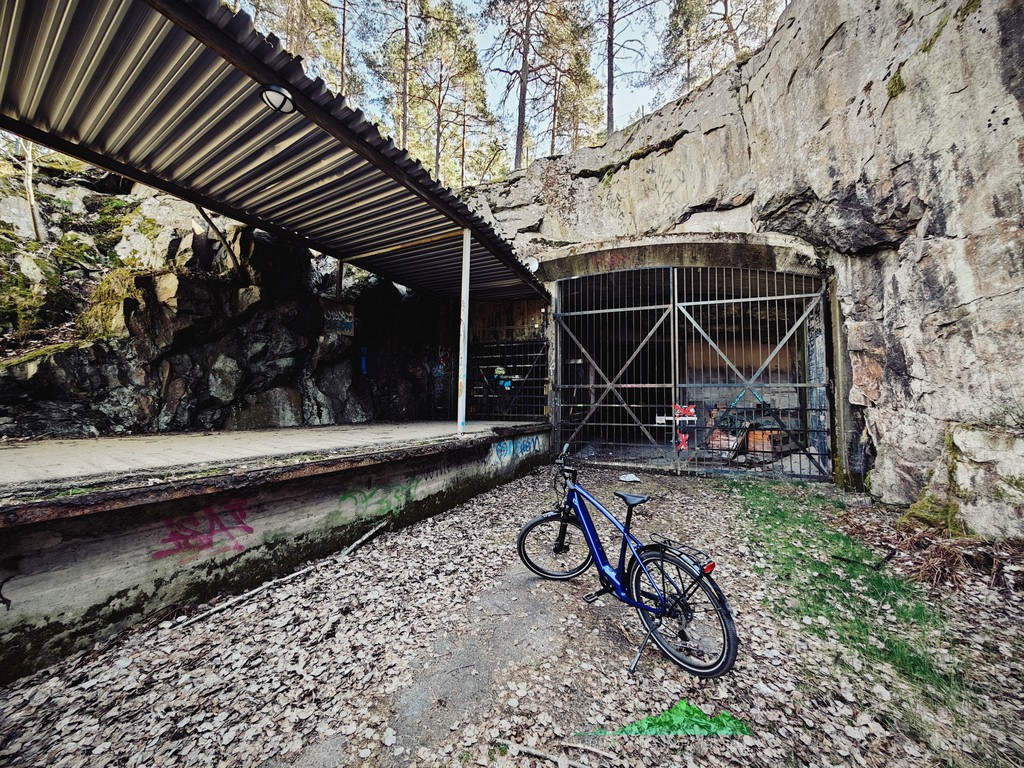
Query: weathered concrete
x: 126, y: 547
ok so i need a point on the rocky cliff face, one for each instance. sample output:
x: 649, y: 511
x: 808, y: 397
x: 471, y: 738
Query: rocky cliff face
x: 182, y: 333
x: 890, y: 137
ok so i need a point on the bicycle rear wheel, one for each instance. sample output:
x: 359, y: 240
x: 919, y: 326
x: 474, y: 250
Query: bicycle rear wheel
x: 694, y: 625
x: 553, y: 546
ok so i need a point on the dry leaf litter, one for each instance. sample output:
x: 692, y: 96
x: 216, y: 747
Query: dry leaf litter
x: 433, y: 645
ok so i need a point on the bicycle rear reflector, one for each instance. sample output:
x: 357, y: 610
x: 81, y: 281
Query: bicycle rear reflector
x: 709, y: 567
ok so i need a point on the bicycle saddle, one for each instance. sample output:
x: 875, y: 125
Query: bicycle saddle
x: 631, y: 499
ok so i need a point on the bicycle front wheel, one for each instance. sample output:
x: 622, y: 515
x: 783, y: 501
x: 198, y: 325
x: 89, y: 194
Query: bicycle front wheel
x: 553, y: 546
x: 691, y: 620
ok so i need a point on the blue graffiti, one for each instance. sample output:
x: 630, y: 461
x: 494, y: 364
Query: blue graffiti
x: 507, y: 450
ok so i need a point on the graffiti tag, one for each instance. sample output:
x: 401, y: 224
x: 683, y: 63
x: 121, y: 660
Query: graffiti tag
x: 377, y: 502
x: 506, y: 450
x: 208, y: 532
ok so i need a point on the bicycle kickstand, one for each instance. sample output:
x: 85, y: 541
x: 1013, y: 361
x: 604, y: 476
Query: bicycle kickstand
x: 639, y: 652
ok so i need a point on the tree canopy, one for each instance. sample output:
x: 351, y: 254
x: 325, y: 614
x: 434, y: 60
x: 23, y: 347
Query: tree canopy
x: 473, y: 88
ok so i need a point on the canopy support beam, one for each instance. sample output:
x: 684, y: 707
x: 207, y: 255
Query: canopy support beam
x: 464, y: 331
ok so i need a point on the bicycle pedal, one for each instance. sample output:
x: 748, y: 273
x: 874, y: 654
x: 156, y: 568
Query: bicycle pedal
x: 594, y: 595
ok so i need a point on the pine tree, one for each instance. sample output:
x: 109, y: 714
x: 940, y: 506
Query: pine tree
x: 622, y: 20
x: 702, y: 36
x: 538, y: 45
x: 564, y: 76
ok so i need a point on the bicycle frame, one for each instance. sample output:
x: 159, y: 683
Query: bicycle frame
x: 577, y: 498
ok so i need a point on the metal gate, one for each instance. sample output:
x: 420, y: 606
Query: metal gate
x: 695, y: 369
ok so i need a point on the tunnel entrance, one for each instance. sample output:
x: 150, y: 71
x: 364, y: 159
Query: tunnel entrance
x: 709, y: 369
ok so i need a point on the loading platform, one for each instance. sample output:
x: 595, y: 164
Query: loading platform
x: 96, y: 534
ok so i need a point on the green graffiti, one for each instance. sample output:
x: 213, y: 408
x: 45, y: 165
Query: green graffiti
x: 383, y: 501
x: 683, y: 719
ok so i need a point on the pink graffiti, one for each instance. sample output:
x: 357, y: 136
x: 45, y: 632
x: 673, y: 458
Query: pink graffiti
x: 199, y: 532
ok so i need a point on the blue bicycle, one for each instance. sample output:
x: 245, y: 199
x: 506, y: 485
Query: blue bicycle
x: 669, y: 584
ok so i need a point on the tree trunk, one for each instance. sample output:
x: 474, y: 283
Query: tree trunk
x: 610, y: 53
x: 30, y: 192
x: 524, y: 76
x: 342, y: 82
x: 405, y: 78
x: 554, y: 114
x: 437, y: 130
x: 462, y: 159
x: 734, y: 38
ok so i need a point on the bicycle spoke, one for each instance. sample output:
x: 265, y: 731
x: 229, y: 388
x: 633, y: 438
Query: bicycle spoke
x: 683, y: 613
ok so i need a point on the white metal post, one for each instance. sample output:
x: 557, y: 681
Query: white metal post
x: 464, y: 332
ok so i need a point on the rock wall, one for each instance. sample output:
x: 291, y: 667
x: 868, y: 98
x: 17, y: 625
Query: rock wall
x: 190, y: 338
x: 888, y: 136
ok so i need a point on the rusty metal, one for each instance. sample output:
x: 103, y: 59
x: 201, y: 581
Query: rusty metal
x: 744, y: 347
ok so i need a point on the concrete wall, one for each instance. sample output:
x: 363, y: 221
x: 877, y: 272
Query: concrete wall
x: 82, y: 578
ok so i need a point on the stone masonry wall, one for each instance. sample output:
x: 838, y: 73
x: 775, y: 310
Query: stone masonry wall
x: 888, y: 136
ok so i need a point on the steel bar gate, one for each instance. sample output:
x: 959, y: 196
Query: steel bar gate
x: 716, y: 369
x: 508, y: 362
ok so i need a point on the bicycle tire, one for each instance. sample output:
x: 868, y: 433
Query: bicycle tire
x: 696, y: 629
x: 553, y: 546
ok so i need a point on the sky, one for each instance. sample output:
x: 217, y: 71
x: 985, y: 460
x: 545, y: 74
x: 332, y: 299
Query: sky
x: 628, y: 98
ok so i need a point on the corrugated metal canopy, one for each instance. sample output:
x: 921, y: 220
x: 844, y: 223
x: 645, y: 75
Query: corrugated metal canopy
x: 167, y: 92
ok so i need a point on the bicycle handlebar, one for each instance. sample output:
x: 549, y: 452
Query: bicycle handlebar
x: 568, y: 473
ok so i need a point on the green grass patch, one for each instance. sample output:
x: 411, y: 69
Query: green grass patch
x: 78, y: 491
x: 683, y: 719
x: 883, y: 617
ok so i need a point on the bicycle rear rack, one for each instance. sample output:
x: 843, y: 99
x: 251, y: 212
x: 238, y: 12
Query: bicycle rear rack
x: 698, y: 557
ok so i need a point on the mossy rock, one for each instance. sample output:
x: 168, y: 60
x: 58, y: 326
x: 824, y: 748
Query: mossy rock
x: 27, y: 304
x: 72, y: 251
x: 106, y: 219
x: 104, y: 318
x: 35, y: 354
x: 896, y: 84
x: 933, y: 512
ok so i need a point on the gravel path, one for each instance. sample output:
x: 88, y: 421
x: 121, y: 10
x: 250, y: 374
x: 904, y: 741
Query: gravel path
x: 434, y: 646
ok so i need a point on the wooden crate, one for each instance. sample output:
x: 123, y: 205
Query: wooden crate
x: 762, y: 440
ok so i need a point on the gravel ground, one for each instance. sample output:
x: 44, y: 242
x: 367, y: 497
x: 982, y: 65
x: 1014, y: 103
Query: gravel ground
x: 434, y: 646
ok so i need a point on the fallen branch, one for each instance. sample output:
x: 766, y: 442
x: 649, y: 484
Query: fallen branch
x: 876, y: 566
x: 585, y: 748
x: 276, y: 582
x: 561, y: 760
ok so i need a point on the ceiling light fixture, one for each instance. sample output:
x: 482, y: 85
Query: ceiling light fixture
x: 278, y: 99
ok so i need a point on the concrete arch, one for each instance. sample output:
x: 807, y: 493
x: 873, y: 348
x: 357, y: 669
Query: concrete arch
x: 765, y: 254
x: 769, y: 251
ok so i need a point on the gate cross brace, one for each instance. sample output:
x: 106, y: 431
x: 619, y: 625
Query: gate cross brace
x: 610, y: 384
x: 748, y: 384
